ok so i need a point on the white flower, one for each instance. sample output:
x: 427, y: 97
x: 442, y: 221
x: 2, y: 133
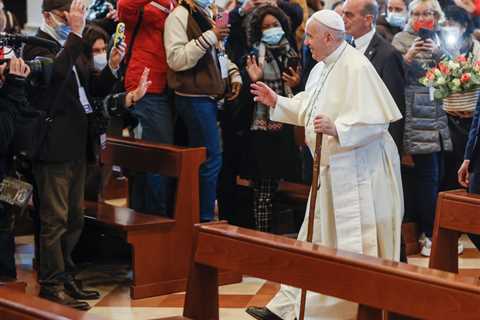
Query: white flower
x: 456, y: 82
x: 441, y: 81
x: 452, y: 65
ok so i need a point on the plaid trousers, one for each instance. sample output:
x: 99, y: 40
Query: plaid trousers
x: 263, y: 190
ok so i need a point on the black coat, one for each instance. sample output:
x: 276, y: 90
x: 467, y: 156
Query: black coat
x: 389, y: 65
x: 67, y: 139
x: 12, y: 98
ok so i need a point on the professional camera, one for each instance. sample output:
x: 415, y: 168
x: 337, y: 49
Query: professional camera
x: 41, y: 68
x: 99, y: 9
x: 113, y: 106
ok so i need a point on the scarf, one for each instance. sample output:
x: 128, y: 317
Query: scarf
x: 275, y: 61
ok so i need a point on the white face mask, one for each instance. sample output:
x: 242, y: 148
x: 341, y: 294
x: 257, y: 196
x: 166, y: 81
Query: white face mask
x: 100, y: 61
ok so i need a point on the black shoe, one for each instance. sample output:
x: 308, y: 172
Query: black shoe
x: 262, y: 313
x: 59, y: 296
x: 73, y: 289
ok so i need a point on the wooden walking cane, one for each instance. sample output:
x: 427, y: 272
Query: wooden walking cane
x: 311, y: 210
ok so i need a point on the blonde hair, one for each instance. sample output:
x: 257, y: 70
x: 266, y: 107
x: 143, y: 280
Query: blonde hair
x: 437, y: 9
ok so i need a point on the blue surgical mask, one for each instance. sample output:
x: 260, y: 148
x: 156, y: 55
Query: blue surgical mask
x: 100, y: 61
x: 396, y: 19
x: 204, y: 3
x: 273, y: 36
x: 62, y: 30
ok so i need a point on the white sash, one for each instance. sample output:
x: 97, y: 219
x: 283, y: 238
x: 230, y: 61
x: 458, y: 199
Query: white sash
x: 353, y: 204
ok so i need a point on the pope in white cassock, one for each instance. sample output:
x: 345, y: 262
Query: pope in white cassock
x: 360, y: 202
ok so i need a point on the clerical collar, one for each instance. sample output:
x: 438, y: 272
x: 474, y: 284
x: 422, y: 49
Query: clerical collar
x: 361, y: 43
x: 335, y: 54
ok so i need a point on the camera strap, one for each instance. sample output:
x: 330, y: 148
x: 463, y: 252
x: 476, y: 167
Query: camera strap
x: 162, y: 8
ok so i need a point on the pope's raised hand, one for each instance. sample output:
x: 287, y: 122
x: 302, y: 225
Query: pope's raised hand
x: 263, y: 94
x: 323, y: 124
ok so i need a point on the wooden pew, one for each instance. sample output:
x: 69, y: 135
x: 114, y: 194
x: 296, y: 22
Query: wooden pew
x: 15, y: 285
x: 457, y: 212
x: 16, y: 305
x: 375, y: 284
x: 161, y: 247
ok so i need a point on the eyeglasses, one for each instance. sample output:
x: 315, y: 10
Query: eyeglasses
x: 425, y: 14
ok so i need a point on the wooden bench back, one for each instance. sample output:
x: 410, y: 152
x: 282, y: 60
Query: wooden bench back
x: 146, y: 156
x: 167, y: 160
x: 457, y: 212
x: 16, y: 305
x: 379, y: 284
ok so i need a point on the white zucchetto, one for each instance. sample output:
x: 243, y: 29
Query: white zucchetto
x: 330, y: 19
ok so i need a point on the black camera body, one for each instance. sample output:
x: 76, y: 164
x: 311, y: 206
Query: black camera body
x: 41, y: 68
x: 112, y: 107
x: 99, y: 9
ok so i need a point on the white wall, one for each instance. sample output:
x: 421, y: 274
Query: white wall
x: 34, y: 15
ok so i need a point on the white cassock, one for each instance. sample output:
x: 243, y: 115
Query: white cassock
x: 360, y: 202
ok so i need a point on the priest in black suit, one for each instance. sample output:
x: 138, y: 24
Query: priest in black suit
x: 359, y: 17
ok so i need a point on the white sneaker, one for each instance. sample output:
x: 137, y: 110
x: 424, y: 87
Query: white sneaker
x: 460, y: 248
x: 427, y: 247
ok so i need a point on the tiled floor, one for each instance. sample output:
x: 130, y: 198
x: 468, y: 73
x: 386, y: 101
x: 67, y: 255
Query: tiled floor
x: 112, y: 282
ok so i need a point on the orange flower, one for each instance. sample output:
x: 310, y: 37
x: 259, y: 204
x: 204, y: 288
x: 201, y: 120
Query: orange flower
x: 461, y: 58
x: 430, y: 75
x: 443, y: 68
x: 477, y: 65
x: 465, y: 77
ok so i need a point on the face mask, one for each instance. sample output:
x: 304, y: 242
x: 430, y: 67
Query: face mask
x: 396, y: 19
x: 273, y: 36
x: 423, y: 24
x: 61, y: 29
x: 204, y: 3
x: 100, y: 61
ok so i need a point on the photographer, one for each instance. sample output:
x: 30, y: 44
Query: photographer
x: 12, y: 98
x: 60, y: 167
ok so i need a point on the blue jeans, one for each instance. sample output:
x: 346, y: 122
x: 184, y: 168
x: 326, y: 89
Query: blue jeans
x: 200, y: 117
x: 150, y: 191
x: 427, y: 175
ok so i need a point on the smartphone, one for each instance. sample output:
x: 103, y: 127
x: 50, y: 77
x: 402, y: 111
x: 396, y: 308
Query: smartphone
x: 222, y: 19
x: 426, y: 34
x: 293, y: 62
x: 119, y: 36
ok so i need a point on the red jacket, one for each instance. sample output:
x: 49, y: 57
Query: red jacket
x: 148, y: 50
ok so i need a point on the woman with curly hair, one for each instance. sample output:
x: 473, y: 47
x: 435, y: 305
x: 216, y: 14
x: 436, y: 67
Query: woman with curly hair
x: 271, y: 153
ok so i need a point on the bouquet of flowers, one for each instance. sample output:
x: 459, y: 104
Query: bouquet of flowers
x: 451, y: 76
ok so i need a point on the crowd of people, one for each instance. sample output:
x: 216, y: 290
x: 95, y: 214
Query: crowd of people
x: 237, y: 80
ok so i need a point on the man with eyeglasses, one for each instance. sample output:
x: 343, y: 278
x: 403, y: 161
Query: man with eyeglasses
x: 60, y: 167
